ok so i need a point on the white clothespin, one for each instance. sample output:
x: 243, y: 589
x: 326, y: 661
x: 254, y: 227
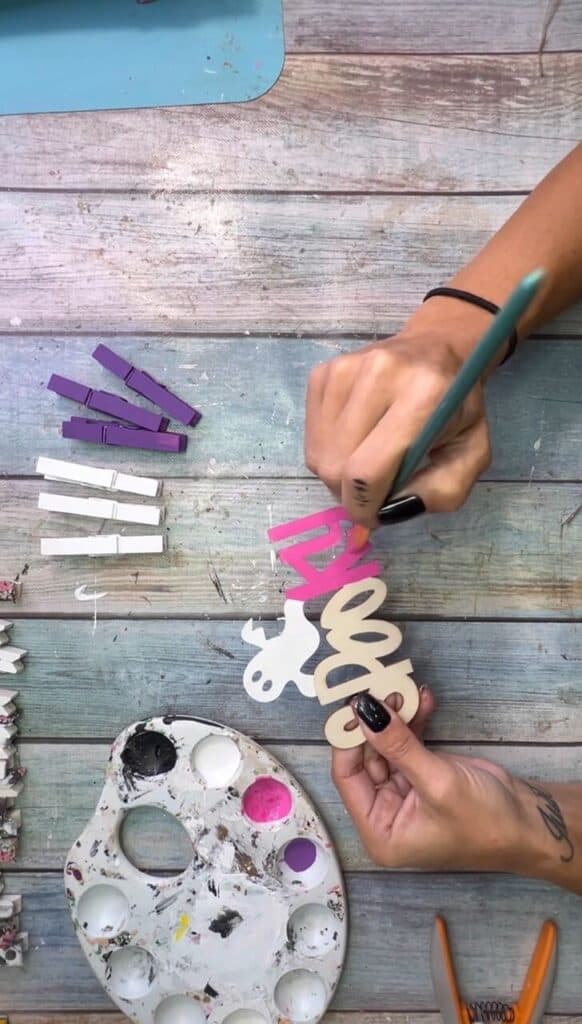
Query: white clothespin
x: 7, y: 732
x: 91, y: 476
x: 5, y: 628
x: 101, y: 508
x: 11, y: 659
x: 104, y: 544
x: 7, y: 697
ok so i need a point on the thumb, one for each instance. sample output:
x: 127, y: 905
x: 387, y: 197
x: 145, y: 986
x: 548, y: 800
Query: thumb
x: 391, y: 737
x: 445, y: 484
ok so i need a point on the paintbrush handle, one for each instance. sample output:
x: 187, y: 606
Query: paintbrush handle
x: 470, y: 372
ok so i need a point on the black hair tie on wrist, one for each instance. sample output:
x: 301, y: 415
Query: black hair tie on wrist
x: 476, y: 300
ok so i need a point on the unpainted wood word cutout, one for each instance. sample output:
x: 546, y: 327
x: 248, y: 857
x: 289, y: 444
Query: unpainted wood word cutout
x: 360, y: 642
x: 346, y: 618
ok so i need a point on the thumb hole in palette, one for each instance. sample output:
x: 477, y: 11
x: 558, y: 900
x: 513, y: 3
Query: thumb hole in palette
x: 145, y: 832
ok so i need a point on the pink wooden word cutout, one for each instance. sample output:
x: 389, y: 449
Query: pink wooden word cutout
x: 343, y: 569
x: 345, y: 625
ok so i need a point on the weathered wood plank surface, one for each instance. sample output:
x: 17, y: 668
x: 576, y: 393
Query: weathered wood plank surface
x: 163, y: 261
x: 508, y: 552
x: 489, y: 678
x: 253, y: 423
x: 430, y: 26
x: 494, y: 922
x: 229, y: 263
x: 63, y: 784
x: 367, y: 123
x: 330, y: 1018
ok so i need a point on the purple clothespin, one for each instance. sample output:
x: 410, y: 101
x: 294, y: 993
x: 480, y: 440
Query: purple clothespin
x: 104, y: 401
x: 146, y: 386
x: 118, y: 435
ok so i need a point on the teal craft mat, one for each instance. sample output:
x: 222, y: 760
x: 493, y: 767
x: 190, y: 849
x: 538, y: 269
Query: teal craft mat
x: 58, y: 55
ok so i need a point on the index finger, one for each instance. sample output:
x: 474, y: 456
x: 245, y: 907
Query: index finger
x: 353, y: 782
x: 313, y: 424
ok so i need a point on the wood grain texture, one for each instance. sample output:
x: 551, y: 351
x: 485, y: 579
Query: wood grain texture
x: 253, y: 421
x: 494, y: 681
x: 489, y: 679
x: 330, y: 1018
x: 226, y: 263
x: 494, y: 922
x: 159, y: 254
x: 430, y: 26
x: 353, y: 123
x: 508, y: 552
x: 63, y: 784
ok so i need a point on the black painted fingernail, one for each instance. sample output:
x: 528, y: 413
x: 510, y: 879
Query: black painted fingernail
x: 372, y: 712
x: 398, y: 510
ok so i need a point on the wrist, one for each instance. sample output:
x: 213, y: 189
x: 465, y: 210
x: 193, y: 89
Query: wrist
x: 552, y: 834
x: 534, y: 855
x: 459, y: 324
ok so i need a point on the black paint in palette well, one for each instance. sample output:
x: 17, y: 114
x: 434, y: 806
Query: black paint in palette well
x: 149, y: 753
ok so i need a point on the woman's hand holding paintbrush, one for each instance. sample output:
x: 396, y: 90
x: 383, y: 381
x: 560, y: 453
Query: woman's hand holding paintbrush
x: 369, y: 416
x: 366, y: 409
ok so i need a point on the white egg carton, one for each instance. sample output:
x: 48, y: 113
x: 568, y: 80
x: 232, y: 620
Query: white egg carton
x: 254, y: 929
x: 11, y: 774
x: 13, y: 942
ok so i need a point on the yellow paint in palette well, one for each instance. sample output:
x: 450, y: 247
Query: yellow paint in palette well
x: 183, y: 922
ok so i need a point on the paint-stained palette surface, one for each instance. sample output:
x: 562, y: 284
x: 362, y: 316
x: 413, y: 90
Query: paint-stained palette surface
x: 254, y: 929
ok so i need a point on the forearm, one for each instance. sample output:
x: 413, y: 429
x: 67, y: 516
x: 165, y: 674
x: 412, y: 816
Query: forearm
x: 545, y: 231
x: 552, y: 847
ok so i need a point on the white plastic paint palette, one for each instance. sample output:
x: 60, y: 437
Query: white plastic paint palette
x: 254, y: 930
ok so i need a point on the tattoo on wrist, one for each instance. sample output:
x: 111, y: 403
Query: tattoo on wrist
x: 552, y: 817
x: 361, y: 489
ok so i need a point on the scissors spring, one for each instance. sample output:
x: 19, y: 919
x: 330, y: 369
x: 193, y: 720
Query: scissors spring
x: 488, y: 1013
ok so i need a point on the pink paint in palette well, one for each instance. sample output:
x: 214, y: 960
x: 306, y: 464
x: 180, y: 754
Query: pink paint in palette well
x: 267, y: 800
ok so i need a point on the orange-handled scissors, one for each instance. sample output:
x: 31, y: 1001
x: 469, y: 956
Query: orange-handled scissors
x: 535, y: 995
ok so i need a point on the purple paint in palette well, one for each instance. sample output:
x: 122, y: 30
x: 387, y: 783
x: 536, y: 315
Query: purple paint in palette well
x: 300, y: 854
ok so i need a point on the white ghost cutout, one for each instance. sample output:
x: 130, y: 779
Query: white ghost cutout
x: 281, y: 657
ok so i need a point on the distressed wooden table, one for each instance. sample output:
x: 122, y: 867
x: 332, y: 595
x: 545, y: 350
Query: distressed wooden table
x: 229, y: 249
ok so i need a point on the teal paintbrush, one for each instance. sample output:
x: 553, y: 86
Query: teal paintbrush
x: 484, y: 353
